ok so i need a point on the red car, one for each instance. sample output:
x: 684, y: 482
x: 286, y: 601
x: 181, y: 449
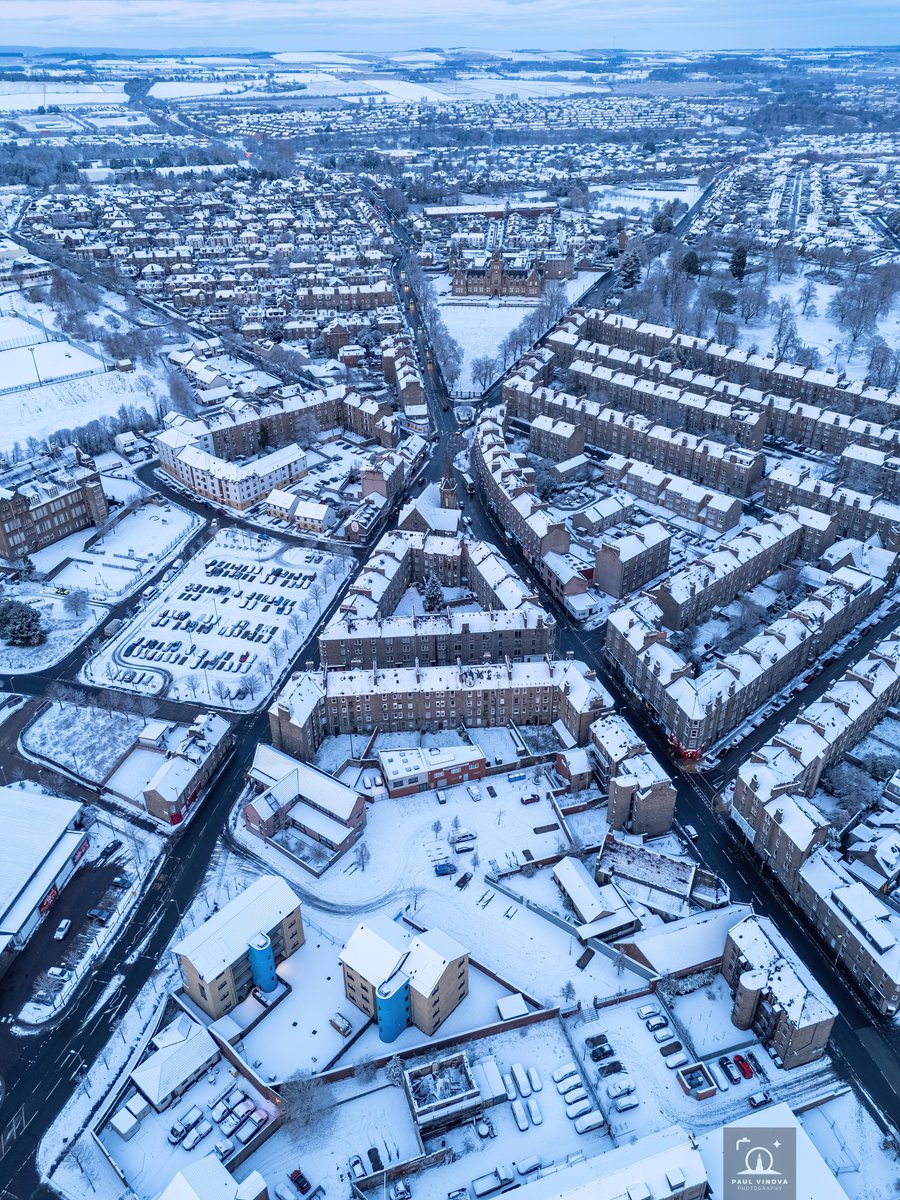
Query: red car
x: 743, y: 1066
x: 300, y: 1182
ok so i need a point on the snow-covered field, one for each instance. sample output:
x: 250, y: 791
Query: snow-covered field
x: 115, y: 566
x: 480, y: 325
x: 43, y: 362
x: 227, y: 627
x: 86, y: 741
x: 24, y: 96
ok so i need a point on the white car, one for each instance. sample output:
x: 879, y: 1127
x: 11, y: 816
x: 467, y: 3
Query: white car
x: 569, y: 1084
x: 534, y: 1111
x: 647, y: 1011
x: 560, y: 1073
x: 579, y: 1109
x: 622, y: 1087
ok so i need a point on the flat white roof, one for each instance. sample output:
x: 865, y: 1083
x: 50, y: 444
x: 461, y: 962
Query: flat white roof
x: 35, y: 843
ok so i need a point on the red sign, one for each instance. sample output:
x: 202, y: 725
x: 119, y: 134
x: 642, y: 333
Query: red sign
x: 48, y: 901
x: 81, y: 850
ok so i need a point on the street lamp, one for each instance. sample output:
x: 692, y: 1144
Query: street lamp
x: 34, y: 361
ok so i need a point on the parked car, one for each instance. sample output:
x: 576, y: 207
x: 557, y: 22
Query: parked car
x: 533, y: 798
x: 249, y: 1128
x: 610, y: 1068
x: 196, y: 1135
x: 110, y: 849
x: 674, y: 1061
x: 560, y: 1073
x: 474, y: 791
x: 599, y: 1053
x: 244, y: 1108
x: 569, y: 1084
x: 734, y: 1075
x: 588, y: 1122
x: 578, y: 1109
x: 102, y: 915
x: 527, y: 1165
x: 743, y: 1066
x: 62, y: 929
x: 445, y: 868
x: 657, y: 1023
x: 662, y: 1035
x: 121, y: 881
x: 718, y: 1076
x: 230, y: 1125
x: 755, y: 1064
x: 575, y: 1095
x: 759, y: 1099
x: 624, y: 1103
x: 691, y: 832
x: 534, y: 1111
x: 300, y: 1182
x: 518, y: 1111
x: 622, y: 1087
x: 647, y: 1010
x: 184, y: 1124
x: 599, y: 1039
x: 62, y: 973
x: 534, y: 1078
x: 224, y: 1148
x: 219, y: 1112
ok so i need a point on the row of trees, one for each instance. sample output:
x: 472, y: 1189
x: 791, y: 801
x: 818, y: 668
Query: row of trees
x: 447, y: 350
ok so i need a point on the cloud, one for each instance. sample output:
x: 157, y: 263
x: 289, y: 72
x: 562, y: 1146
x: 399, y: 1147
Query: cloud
x: 398, y: 24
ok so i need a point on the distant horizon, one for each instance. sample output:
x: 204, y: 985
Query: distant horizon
x: 359, y: 26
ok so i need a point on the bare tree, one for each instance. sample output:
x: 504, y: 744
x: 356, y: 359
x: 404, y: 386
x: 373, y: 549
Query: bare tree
x: 362, y: 855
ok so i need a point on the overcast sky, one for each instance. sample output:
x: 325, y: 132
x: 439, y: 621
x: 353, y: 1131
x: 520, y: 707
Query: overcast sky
x: 404, y: 24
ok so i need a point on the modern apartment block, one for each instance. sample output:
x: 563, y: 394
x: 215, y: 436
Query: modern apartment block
x: 774, y: 994
x: 640, y: 795
x: 318, y: 704
x: 239, y: 947
x: 47, y: 498
x: 400, y: 980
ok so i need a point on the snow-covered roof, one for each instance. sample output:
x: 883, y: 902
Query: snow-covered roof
x: 183, y: 1049
x: 37, y: 839
x: 222, y: 939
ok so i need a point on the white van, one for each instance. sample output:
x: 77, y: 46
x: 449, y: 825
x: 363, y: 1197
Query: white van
x: 518, y: 1111
x: 520, y: 1078
x: 589, y: 1122
x: 718, y: 1076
